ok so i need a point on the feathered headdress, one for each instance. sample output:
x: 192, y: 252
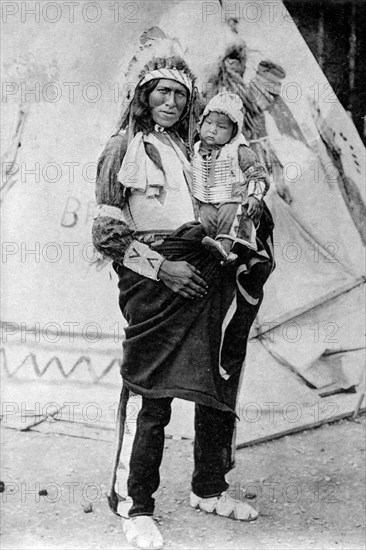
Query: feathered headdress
x: 158, y: 56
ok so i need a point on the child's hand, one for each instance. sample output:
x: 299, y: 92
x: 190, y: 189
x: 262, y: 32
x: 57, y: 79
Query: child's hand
x: 254, y: 207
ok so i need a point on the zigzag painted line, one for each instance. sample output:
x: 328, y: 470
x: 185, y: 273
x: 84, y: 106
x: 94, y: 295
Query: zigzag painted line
x: 41, y: 371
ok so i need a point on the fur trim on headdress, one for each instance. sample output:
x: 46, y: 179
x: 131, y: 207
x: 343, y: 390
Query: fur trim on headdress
x: 170, y: 74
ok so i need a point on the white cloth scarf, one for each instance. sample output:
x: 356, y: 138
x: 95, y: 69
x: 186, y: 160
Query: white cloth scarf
x: 139, y: 172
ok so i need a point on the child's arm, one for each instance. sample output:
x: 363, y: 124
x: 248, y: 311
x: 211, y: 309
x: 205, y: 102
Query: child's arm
x: 256, y: 176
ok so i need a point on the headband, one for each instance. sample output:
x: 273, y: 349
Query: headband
x: 170, y: 74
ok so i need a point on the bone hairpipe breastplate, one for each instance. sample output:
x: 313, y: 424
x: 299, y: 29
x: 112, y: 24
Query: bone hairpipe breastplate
x: 217, y: 186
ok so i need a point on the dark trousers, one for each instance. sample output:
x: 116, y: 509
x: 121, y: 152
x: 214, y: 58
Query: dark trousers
x: 228, y: 220
x: 212, y: 452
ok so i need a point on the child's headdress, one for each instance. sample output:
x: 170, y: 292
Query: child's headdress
x: 228, y: 104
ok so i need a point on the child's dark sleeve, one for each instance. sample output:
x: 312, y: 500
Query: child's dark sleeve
x: 255, y: 174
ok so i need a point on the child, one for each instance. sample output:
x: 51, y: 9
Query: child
x: 228, y: 181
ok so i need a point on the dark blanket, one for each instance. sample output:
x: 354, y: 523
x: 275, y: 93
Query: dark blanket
x: 172, y: 346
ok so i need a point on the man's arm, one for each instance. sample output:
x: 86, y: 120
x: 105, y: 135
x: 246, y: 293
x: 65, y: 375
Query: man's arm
x: 111, y: 233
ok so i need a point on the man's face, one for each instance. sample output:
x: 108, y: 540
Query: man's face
x: 217, y: 129
x: 167, y: 102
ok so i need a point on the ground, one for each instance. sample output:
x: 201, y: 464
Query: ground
x: 309, y: 488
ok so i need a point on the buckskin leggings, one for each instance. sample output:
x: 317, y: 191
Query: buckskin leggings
x: 212, y: 452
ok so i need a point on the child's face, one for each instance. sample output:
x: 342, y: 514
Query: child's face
x: 217, y: 129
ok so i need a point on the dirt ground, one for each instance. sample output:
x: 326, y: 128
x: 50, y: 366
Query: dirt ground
x: 309, y: 488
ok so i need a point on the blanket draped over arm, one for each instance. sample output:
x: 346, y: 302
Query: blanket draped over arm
x: 174, y: 347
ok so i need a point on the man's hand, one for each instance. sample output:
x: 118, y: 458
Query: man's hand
x: 183, y: 278
x: 254, y: 206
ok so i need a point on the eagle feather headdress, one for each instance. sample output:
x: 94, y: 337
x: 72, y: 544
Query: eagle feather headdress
x: 156, y: 56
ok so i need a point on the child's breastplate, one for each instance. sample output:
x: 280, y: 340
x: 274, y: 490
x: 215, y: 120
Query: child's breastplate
x: 225, y: 179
